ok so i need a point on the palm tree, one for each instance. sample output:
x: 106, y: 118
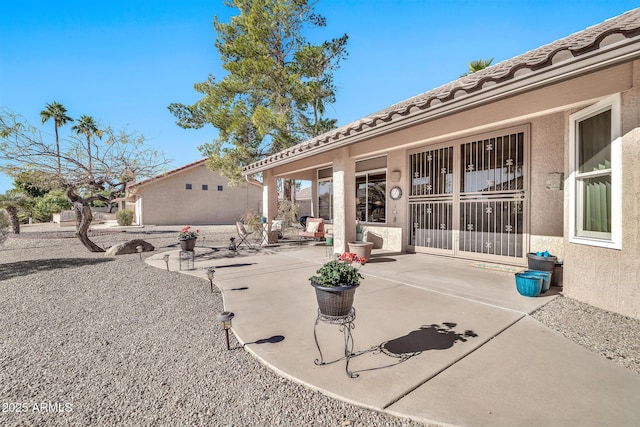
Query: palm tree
x: 87, y: 126
x: 477, y: 65
x: 13, y: 201
x: 58, y: 113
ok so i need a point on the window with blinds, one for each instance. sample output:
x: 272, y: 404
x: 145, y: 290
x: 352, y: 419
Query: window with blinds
x: 596, y: 167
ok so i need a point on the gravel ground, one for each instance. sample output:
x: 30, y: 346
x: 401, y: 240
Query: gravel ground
x: 92, y: 340
x: 88, y: 339
x: 607, y: 334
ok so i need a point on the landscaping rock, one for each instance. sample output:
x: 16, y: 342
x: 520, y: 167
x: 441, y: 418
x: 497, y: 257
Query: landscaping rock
x: 130, y: 247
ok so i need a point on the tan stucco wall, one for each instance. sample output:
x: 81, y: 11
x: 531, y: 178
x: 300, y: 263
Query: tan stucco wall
x: 606, y: 278
x: 610, y: 278
x: 546, y: 157
x: 167, y: 202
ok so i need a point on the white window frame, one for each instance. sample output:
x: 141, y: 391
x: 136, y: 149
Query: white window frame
x: 386, y: 181
x: 325, y: 180
x: 614, y: 241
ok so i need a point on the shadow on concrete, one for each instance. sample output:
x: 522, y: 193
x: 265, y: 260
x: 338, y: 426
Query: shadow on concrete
x: 243, y: 288
x: 271, y: 340
x: 425, y: 338
x: 240, y: 264
x: 375, y: 260
x: 431, y: 337
x: 24, y: 268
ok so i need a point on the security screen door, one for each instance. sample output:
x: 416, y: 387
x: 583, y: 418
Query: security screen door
x: 468, y: 198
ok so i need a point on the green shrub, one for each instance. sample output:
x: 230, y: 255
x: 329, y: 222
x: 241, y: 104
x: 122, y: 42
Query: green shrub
x: 53, y: 202
x: 124, y: 217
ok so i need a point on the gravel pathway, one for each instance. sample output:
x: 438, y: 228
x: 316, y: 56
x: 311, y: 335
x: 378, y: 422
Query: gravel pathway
x: 88, y: 339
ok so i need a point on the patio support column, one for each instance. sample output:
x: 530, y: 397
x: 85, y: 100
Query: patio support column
x: 269, y: 195
x: 344, y: 193
x: 314, y: 198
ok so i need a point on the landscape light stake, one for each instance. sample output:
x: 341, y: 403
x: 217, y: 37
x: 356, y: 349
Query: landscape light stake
x: 166, y: 260
x: 225, y: 322
x: 139, y: 249
x: 210, y: 272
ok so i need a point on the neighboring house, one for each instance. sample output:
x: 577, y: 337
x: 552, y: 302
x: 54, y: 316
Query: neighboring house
x: 539, y: 152
x: 303, y: 200
x: 192, y: 194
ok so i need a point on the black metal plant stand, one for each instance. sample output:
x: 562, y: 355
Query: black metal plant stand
x: 346, y: 324
x: 189, y: 257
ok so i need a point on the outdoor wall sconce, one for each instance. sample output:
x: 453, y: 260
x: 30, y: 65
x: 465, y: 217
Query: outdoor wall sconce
x: 225, y: 322
x: 139, y: 249
x: 166, y: 260
x: 210, y: 272
x: 395, y: 176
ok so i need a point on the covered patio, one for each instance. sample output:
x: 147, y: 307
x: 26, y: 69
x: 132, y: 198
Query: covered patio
x: 436, y: 340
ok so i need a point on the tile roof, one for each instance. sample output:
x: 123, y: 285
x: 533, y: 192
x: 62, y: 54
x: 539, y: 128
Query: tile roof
x: 165, y: 174
x: 619, y: 29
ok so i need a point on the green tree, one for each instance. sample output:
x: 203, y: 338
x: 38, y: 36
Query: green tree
x: 477, y: 65
x: 87, y: 126
x: 53, y: 202
x: 276, y: 89
x: 120, y: 158
x: 34, y: 183
x: 14, y: 202
x: 58, y: 113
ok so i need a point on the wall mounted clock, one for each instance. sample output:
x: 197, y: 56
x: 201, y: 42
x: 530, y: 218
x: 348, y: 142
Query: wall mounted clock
x: 396, y: 193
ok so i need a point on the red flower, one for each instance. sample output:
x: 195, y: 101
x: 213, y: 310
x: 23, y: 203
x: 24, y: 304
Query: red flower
x: 186, y: 233
x: 350, y: 257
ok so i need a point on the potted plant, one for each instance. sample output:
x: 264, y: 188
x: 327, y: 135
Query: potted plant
x: 359, y: 232
x: 336, y: 282
x: 361, y: 249
x: 187, y: 238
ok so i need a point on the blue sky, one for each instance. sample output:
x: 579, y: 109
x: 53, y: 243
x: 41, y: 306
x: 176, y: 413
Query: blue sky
x: 124, y: 61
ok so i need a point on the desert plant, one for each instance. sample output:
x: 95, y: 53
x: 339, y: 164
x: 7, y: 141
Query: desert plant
x: 124, y: 217
x: 15, y: 202
x: 252, y: 220
x: 4, y: 225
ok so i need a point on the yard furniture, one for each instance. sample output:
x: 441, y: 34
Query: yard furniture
x: 243, y: 236
x: 276, y: 225
x: 314, y: 228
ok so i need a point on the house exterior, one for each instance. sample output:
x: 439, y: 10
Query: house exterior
x: 303, y: 200
x: 539, y: 152
x: 191, y: 194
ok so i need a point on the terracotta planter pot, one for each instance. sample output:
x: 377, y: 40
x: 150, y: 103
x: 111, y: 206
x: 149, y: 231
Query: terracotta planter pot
x: 362, y: 249
x: 188, y: 244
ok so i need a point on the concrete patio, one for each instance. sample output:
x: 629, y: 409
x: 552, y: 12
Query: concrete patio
x: 436, y: 340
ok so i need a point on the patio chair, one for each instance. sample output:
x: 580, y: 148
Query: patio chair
x: 314, y: 228
x: 243, y: 235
